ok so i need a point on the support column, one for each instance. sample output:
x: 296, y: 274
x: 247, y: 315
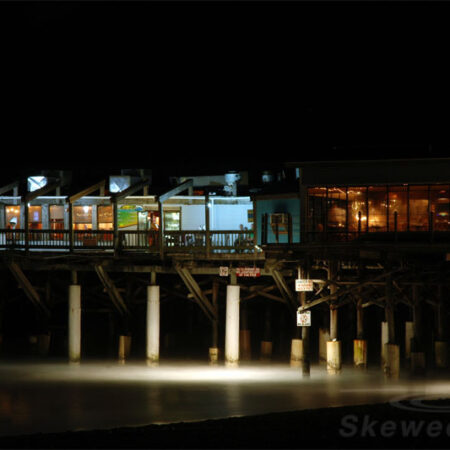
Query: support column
x: 360, y: 344
x: 324, y: 337
x: 296, y: 353
x: 232, y: 327
x: 266, y: 343
x: 409, y: 335
x: 74, y: 324
x: 334, y: 353
x: 391, y: 367
x: 153, y: 325
x: 303, y: 273
x: 244, y: 337
x: 214, y: 349
x: 417, y: 346
x: 124, y: 348
x: 440, y: 345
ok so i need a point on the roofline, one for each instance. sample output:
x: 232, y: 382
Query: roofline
x: 365, y: 161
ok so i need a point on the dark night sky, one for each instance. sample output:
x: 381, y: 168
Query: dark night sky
x: 222, y: 84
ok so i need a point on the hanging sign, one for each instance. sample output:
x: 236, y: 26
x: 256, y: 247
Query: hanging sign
x: 248, y: 272
x: 303, y: 285
x: 304, y: 319
x: 223, y: 271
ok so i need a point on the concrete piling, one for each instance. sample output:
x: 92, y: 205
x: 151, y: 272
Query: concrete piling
x: 232, y: 327
x: 153, y: 324
x: 74, y: 323
x: 296, y: 353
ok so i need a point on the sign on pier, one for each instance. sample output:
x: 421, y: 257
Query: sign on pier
x: 304, y: 319
x: 303, y: 285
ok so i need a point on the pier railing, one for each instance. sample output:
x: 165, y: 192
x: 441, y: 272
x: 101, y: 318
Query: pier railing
x: 228, y: 241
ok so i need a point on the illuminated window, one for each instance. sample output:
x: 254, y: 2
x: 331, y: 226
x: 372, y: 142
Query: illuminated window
x: 377, y: 208
x: 418, y: 208
x: 105, y: 217
x: 172, y: 220
x: 398, y: 206
x: 12, y: 214
x: 35, y: 217
x: 56, y: 217
x: 357, y: 209
x: 316, y: 209
x: 440, y: 207
x: 82, y: 217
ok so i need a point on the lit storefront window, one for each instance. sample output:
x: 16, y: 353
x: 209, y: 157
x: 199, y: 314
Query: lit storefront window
x: 82, y: 217
x: 440, y: 207
x: 56, y: 217
x: 398, y: 207
x: 357, y: 209
x: 377, y: 206
x: 336, y: 223
x: 35, y: 217
x: 12, y: 217
x: 418, y: 208
x: 105, y: 217
x: 316, y: 209
x: 172, y: 220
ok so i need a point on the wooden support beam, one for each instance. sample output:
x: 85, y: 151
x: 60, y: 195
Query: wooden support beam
x: 286, y: 292
x: 99, y: 186
x: 389, y: 311
x: 341, y: 292
x: 28, y: 288
x: 10, y: 187
x: 215, y: 303
x: 176, y: 190
x: 118, y: 196
x: 197, y: 293
x: 257, y: 291
x: 42, y: 191
x: 113, y: 292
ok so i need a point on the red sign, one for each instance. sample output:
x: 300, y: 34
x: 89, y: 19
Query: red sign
x: 248, y: 272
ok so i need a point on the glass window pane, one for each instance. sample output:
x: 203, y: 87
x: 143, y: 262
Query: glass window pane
x: 12, y: 214
x: 336, y: 224
x: 377, y: 208
x: 172, y: 220
x: 56, y: 217
x: 440, y: 207
x: 105, y: 215
x: 398, y: 201
x: 35, y: 214
x: 357, y: 209
x: 316, y: 209
x: 418, y: 208
x: 82, y: 214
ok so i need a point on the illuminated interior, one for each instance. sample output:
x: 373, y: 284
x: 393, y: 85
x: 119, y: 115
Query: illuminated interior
x: 345, y: 212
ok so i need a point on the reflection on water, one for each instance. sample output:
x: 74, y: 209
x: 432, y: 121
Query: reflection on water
x: 58, y: 397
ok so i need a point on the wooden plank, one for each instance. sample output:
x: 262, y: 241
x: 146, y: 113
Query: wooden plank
x: 9, y: 187
x: 130, y: 190
x: 196, y: 292
x: 42, y: 191
x: 176, y: 190
x: 27, y: 287
x: 285, y: 291
x: 87, y: 191
x: 113, y: 292
x: 345, y: 291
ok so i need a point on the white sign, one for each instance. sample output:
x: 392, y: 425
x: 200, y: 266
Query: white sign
x: 304, y: 319
x: 248, y: 272
x: 303, y: 285
x: 223, y: 271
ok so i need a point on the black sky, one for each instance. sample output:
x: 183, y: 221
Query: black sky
x: 223, y: 84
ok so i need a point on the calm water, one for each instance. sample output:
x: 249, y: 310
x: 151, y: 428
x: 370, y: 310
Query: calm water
x: 57, y: 397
